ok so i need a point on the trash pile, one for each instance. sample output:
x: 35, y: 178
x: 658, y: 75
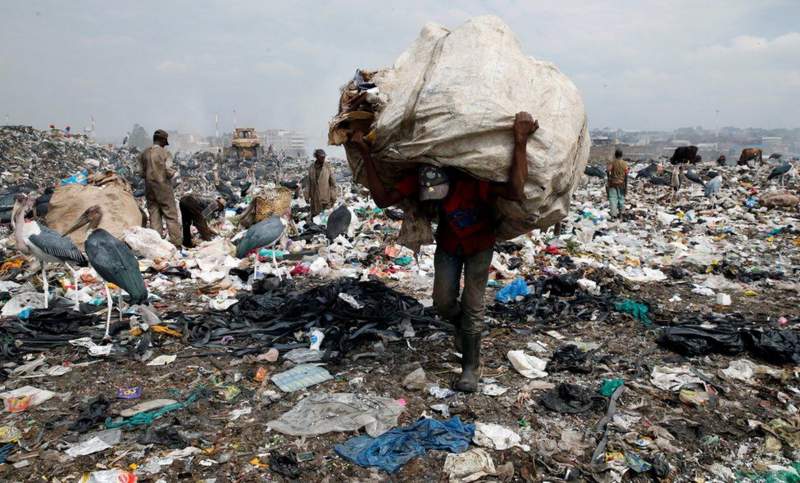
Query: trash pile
x: 662, y: 346
x: 37, y: 159
x: 608, y: 353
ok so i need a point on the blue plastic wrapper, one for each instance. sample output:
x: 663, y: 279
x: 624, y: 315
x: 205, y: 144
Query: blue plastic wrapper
x: 81, y: 177
x: 393, y: 449
x: 510, y: 292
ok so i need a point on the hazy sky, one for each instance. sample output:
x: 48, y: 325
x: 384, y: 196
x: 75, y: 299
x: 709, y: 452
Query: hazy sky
x: 640, y: 64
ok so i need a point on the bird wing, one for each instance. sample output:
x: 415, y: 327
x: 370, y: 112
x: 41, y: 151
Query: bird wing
x: 779, y: 171
x: 261, y: 234
x: 53, y: 244
x: 116, y: 263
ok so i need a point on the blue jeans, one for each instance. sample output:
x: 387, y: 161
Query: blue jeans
x: 616, y: 200
x: 447, y: 282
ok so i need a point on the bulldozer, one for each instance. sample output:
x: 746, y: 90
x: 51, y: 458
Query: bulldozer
x: 244, y: 145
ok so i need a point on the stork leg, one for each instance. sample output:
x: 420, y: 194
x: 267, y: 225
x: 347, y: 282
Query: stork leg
x: 119, y: 304
x: 77, y: 306
x: 44, y: 284
x: 255, y: 267
x: 275, y: 265
x: 110, y: 303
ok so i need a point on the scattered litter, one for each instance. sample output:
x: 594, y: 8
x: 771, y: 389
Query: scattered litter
x: 516, y: 289
x: 495, y: 436
x: 163, y: 360
x: 338, y: 412
x: 24, y: 398
x: 99, y: 441
x: 394, y: 448
x: 301, y: 377
x: 529, y: 366
x: 469, y: 466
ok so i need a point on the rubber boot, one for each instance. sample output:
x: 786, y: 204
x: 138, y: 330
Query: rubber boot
x: 459, y: 346
x: 470, y: 363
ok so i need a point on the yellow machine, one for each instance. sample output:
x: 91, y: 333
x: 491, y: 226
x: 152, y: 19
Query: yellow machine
x: 245, y: 144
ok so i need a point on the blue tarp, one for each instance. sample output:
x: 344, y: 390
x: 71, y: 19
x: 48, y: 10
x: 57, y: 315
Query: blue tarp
x: 391, y: 450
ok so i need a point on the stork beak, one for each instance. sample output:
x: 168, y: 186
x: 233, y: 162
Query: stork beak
x: 82, y: 220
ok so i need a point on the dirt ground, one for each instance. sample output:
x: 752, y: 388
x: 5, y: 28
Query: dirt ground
x: 719, y: 440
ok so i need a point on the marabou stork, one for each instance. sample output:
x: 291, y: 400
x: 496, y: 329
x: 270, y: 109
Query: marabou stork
x: 263, y: 234
x: 47, y: 245
x: 112, y: 260
x: 781, y: 171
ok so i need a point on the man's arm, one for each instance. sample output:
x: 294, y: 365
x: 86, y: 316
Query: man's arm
x: 514, y: 190
x: 169, y: 168
x: 382, y: 196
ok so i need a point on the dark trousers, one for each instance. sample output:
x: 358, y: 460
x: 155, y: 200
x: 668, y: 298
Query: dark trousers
x: 446, y: 284
x: 192, y: 214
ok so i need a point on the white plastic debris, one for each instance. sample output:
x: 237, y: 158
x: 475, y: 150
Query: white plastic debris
x: 589, y: 286
x: 440, y: 392
x: 147, y: 243
x: 20, y: 302
x: 723, y: 299
x: 301, y: 355
x: 316, y: 337
x: 495, y: 436
x: 493, y: 389
x: 107, y: 476
x: 351, y: 301
x: 673, y: 378
x: 744, y: 370
x: 163, y: 360
x: 322, y: 413
x: 529, y: 366
x: 237, y: 413
x: 415, y: 380
x: 319, y: 267
x: 99, y: 441
x: 442, y: 408
x: 469, y: 466
x: 700, y: 290
x: 153, y: 465
x: 37, y: 396
x: 94, y: 349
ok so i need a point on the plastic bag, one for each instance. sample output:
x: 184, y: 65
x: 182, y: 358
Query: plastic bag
x: 393, y: 449
x: 147, y: 243
x: 509, y: 293
x: 324, y: 413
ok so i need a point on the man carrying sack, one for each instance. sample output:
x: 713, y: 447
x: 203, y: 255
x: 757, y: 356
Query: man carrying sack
x: 465, y: 237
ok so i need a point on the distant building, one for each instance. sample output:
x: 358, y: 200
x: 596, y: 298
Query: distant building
x: 601, y: 141
x: 286, y: 141
x: 773, y: 144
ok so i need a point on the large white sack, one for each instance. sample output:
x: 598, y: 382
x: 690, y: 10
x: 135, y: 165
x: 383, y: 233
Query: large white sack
x: 451, y: 98
x: 147, y: 243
